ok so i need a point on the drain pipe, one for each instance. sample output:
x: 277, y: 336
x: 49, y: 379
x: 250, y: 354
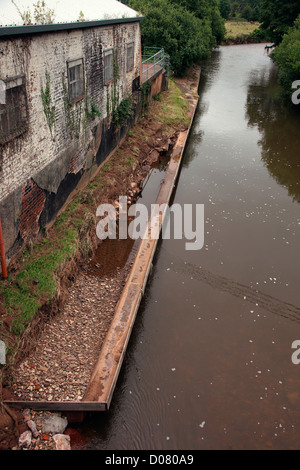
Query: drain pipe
x: 2, y: 254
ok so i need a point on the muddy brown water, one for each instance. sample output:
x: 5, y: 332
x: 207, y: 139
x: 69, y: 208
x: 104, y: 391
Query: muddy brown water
x: 209, y: 363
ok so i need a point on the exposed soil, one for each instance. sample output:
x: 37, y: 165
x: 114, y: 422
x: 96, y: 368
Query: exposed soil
x: 59, y: 351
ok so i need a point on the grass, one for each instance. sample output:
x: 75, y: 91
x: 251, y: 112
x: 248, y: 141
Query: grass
x: 35, y: 283
x: 174, y: 109
x: 238, y: 30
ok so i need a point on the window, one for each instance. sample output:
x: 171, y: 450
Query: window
x: 13, y: 110
x: 130, y: 56
x: 108, y: 66
x: 76, y: 80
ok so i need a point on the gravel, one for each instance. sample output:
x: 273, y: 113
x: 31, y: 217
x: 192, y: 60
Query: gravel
x: 60, y: 367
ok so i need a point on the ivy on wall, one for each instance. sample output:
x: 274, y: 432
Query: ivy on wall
x: 78, y: 113
x: 73, y: 111
x: 49, y: 108
x: 120, y: 111
x: 123, y: 112
x: 145, y: 90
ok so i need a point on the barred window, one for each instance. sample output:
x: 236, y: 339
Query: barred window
x: 108, y: 66
x: 130, y: 56
x: 76, y: 80
x: 13, y: 110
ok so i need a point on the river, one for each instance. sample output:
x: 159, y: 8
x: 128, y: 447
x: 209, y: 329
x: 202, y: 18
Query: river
x: 209, y: 363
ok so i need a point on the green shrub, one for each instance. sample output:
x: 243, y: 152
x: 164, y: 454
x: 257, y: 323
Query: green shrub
x: 184, y: 36
x: 287, y: 56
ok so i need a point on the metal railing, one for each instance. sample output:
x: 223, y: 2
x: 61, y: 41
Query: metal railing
x: 154, y: 59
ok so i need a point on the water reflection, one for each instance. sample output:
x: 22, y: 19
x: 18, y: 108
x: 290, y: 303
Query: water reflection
x: 279, y: 126
x: 209, y: 70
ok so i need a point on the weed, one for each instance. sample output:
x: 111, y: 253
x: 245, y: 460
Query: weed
x: 35, y: 283
x: 49, y: 109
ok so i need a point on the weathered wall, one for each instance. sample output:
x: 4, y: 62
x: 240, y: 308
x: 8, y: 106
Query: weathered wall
x: 157, y: 84
x: 41, y: 167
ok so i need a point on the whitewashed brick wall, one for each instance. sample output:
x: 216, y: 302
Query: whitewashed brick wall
x: 32, y: 56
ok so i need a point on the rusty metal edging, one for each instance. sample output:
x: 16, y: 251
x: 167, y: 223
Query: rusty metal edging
x: 64, y: 406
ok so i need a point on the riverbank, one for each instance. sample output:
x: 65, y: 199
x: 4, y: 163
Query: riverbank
x: 71, y: 325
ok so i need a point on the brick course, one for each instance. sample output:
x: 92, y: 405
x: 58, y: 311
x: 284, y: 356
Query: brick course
x: 33, y: 200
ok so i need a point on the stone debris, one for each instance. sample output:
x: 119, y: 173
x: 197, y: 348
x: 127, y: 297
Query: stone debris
x: 32, y: 426
x: 54, y: 424
x: 25, y: 440
x: 45, y: 431
x: 62, y: 442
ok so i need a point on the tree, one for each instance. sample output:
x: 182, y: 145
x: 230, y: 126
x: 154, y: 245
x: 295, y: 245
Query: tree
x: 185, y: 37
x: 277, y: 16
x: 287, y: 56
x: 247, y: 12
x: 207, y: 10
x: 225, y: 8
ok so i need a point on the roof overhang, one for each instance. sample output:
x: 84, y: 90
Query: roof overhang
x: 9, y: 31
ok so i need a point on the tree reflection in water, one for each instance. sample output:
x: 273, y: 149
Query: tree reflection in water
x: 279, y: 125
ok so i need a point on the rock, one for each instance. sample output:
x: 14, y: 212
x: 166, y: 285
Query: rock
x: 62, y: 442
x: 26, y: 414
x: 32, y: 426
x: 54, y: 424
x: 25, y: 439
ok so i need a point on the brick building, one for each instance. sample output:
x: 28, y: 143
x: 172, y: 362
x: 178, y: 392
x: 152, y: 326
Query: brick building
x: 62, y: 83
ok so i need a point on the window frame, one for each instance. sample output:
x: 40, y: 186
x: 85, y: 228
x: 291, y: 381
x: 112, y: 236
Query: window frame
x: 78, y: 79
x: 110, y: 78
x: 15, y: 109
x: 130, y: 65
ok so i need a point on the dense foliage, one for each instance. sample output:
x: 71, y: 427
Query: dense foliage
x: 277, y: 16
x: 280, y: 20
x: 187, y: 29
x: 287, y: 56
x: 247, y: 9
